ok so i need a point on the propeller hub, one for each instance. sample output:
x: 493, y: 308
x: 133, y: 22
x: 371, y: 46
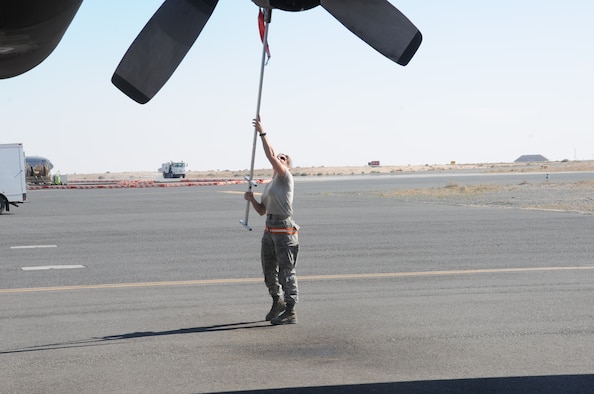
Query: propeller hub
x: 288, y: 5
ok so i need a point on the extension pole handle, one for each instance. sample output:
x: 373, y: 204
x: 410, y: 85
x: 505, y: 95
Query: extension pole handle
x: 267, y: 19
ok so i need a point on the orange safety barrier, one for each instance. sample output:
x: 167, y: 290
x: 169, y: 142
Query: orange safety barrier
x: 281, y: 230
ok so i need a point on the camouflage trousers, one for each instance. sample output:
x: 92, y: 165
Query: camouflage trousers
x: 280, y: 246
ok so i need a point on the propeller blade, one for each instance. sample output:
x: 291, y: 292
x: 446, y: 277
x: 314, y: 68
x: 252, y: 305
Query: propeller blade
x: 379, y: 24
x: 160, y: 47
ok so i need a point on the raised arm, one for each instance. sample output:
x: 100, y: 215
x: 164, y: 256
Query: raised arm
x: 278, y: 165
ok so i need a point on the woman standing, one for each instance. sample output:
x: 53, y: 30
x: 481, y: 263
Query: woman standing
x: 280, y: 243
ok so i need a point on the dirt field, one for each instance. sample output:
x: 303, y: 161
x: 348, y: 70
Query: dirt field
x: 575, y: 197
x: 363, y: 170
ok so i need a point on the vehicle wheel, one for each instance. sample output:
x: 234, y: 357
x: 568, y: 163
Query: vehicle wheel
x: 2, y: 205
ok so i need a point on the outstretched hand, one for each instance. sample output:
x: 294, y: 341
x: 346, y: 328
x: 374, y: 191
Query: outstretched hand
x: 258, y: 125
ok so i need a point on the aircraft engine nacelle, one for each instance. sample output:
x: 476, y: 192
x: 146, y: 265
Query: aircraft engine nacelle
x: 30, y: 31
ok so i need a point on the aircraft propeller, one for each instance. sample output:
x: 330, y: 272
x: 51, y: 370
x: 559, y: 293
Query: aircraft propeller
x: 170, y: 33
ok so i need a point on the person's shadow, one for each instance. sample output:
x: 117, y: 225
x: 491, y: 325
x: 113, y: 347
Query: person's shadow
x: 191, y: 330
x: 97, y: 341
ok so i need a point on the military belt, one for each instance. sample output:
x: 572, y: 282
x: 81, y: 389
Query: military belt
x: 277, y: 217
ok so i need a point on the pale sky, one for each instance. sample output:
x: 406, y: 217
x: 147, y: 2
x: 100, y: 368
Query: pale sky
x: 491, y: 81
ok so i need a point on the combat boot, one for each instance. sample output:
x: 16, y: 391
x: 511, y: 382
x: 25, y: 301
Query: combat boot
x: 278, y: 306
x: 289, y: 316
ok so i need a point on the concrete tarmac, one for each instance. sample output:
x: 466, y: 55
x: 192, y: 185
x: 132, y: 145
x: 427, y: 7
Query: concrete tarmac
x: 160, y: 291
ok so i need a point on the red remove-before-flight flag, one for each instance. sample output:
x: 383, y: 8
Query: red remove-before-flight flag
x: 262, y: 27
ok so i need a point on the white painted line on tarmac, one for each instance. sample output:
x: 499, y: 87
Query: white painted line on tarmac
x: 33, y: 246
x: 52, y: 267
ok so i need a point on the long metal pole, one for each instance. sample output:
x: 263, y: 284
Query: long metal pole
x: 250, y: 179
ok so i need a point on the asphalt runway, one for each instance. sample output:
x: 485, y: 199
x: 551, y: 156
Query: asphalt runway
x: 159, y: 290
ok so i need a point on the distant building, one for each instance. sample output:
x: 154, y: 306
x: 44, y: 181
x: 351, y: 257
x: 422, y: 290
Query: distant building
x: 531, y: 159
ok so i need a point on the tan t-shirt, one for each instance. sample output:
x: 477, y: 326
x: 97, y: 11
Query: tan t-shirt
x: 278, y: 195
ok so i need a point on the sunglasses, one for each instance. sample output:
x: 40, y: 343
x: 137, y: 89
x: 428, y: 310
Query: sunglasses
x: 283, y: 158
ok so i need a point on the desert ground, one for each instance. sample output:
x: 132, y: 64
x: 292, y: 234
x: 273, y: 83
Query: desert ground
x: 552, y: 195
x: 352, y: 170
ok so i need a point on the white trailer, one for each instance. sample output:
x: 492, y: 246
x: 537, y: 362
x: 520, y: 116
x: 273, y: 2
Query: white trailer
x: 13, y: 185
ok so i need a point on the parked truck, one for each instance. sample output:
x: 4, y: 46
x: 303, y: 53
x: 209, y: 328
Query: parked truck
x: 174, y: 169
x: 13, y: 184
